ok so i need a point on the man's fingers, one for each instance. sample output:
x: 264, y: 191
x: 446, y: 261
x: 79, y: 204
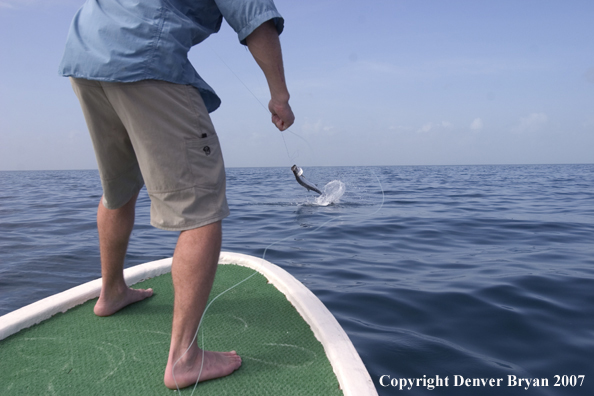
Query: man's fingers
x: 282, y: 115
x: 279, y: 123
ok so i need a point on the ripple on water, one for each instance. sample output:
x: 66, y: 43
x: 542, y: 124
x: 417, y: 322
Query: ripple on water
x: 479, y: 271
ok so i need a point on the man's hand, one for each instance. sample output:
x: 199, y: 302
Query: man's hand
x: 282, y: 115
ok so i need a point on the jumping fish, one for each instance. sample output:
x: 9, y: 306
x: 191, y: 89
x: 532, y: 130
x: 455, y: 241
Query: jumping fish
x: 298, y: 172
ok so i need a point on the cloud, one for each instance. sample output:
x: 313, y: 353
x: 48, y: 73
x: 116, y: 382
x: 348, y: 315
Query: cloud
x: 476, y: 124
x: 429, y: 126
x: 531, y: 123
x: 425, y: 128
x: 400, y: 128
x: 309, y: 127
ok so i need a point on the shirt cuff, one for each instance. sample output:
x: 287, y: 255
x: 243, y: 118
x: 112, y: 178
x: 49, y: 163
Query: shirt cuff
x: 278, y: 20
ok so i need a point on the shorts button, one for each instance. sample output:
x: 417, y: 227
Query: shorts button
x: 206, y: 150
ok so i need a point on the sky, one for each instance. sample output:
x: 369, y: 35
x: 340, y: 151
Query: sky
x: 382, y: 82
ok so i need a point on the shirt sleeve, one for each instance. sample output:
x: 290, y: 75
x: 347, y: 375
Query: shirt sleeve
x: 244, y: 16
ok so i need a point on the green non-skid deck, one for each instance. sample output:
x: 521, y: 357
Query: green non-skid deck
x: 125, y: 354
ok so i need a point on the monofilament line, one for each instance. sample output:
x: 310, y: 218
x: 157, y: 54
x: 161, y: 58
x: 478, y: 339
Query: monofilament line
x: 196, y: 335
x: 249, y: 277
x: 291, y: 158
x: 265, y: 250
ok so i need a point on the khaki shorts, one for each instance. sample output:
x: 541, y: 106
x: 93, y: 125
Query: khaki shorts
x: 158, y: 133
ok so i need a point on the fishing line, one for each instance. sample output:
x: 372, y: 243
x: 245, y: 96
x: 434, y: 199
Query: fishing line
x: 250, y: 91
x: 291, y: 158
x: 250, y: 276
x: 265, y: 250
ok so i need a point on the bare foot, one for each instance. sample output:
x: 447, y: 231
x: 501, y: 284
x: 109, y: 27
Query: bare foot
x: 109, y: 305
x: 186, y: 370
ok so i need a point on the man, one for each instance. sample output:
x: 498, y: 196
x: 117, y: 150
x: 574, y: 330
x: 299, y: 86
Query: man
x: 147, y: 112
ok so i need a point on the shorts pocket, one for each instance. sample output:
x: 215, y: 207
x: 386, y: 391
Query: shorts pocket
x: 205, y: 161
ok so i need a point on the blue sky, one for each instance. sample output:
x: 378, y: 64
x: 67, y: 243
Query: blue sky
x: 383, y: 82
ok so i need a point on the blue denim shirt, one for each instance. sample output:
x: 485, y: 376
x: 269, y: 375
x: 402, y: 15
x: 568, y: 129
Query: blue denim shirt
x: 133, y: 40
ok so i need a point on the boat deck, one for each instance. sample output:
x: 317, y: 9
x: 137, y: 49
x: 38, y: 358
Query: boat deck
x: 125, y: 354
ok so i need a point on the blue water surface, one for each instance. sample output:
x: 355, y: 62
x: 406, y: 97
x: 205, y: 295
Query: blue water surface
x: 449, y: 271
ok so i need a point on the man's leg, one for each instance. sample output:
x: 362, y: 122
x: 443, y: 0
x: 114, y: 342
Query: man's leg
x: 193, y: 270
x: 115, y: 227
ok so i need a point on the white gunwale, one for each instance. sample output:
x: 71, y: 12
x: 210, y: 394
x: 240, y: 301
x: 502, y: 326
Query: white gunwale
x: 350, y: 371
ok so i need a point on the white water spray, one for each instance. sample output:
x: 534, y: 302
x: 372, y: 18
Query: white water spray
x: 332, y: 193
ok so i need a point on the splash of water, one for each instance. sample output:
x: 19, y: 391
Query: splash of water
x: 331, y: 193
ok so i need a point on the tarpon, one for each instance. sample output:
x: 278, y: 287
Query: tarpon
x: 298, y: 172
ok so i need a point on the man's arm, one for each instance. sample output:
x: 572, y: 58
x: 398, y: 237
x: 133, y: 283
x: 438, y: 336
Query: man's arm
x: 264, y: 45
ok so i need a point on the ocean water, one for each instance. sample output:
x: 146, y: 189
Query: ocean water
x: 451, y: 271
